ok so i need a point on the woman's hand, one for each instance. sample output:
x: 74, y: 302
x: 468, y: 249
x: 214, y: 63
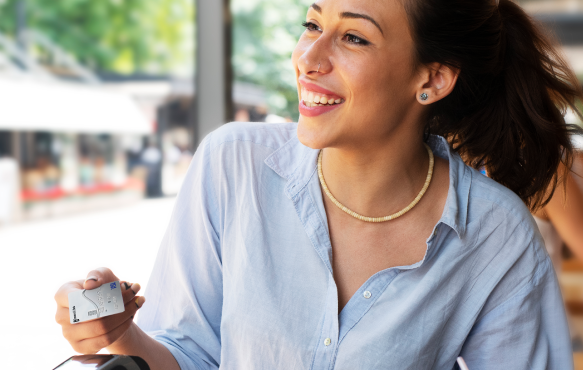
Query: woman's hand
x: 92, y: 336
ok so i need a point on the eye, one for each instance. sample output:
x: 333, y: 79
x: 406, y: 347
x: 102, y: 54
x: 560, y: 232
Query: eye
x: 311, y: 26
x: 351, y: 39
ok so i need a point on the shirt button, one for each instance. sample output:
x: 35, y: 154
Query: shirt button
x: 327, y: 341
x: 367, y: 294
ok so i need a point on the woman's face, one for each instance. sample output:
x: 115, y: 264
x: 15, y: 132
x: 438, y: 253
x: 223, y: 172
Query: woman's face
x: 355, y: 60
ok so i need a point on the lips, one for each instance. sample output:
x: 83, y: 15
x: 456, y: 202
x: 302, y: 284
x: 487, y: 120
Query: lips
x: 316, y: 110
x: 313, y: 87
x: 316, y: 100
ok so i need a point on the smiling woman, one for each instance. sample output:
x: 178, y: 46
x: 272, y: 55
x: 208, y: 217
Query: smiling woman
x: 361, y: 237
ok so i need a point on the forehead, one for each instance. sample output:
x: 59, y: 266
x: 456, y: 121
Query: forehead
x: 387, y: 13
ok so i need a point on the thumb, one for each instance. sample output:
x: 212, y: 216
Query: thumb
x: 98, y: 277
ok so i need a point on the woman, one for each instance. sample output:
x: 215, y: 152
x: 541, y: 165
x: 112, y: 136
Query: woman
x: 273, y: 258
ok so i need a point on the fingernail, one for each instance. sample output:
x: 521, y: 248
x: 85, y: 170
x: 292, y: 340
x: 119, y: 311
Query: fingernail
x: 126, y: 285
x: 140, y: 301
x: 91, y: 278
x: 136, y: 288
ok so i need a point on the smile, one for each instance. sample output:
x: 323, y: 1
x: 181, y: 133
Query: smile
x: 316, y: 100
x: 313, y: 99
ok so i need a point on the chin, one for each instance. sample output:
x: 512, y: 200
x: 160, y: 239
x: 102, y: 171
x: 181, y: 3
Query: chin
x: 310, y: 134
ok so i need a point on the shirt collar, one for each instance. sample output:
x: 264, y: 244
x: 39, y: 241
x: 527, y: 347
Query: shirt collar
x: 455, y: 212
x: 297, y: 164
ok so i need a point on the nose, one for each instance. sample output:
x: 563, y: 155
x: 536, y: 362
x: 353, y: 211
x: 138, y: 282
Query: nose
x: 315, y: 58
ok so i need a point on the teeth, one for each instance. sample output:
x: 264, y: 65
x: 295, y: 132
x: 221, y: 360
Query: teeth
x: 312, y: 100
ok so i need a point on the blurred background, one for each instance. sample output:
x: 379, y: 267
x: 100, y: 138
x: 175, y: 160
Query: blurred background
x: 102, y: 105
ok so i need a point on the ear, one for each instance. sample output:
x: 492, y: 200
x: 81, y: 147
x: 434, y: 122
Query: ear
x: 437, y: 81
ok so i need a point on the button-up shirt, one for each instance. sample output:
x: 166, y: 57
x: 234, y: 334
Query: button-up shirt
x: 243, y: 278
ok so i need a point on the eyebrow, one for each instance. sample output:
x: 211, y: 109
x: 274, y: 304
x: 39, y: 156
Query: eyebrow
x: 351, y: 15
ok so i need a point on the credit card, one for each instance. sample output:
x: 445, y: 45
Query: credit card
x: 85, y: 305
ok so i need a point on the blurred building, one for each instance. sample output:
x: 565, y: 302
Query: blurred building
x: 169, y: 103
x: 64, y: 133
x: 72, y: 140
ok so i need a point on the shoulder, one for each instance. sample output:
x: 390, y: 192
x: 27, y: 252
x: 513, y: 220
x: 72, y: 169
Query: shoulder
x: 238, y: 149
x: 235, y: 153
x: 268, y: 135
x: 488, y: 198
x: 503, y: 244
x: 503, y: 230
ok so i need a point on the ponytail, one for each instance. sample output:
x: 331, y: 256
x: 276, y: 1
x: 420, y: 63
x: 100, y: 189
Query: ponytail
x: 506, y: 111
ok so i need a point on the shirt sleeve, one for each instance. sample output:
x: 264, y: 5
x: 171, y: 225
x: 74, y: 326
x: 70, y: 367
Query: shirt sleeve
x: 527, y: 331
x: 184, y: 293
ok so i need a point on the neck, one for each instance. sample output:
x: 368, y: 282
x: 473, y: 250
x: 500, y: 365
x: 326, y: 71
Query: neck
x: 376, y: 179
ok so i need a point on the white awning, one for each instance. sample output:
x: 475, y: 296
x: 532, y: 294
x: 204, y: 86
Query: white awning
x: 28, y: 105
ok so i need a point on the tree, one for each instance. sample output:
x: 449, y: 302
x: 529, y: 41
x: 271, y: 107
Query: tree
x: 112, y: 35
x: 264, y: 35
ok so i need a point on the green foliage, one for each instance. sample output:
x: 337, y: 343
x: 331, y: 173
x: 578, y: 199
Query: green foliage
x: 127, y: 36
x: 111, y: 35
x: 264, y: 35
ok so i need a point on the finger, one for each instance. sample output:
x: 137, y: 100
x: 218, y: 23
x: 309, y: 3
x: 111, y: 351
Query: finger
x: 101, y: 326
x: 125, y: 285
x: 106, y: 324
x: 129, y: 291
x: 62, y: 295
x: 98, y: 277
x: 92, y: 345
x: 62, y: 316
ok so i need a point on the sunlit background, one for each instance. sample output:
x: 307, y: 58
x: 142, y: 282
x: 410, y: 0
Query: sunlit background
x: 99, y: 118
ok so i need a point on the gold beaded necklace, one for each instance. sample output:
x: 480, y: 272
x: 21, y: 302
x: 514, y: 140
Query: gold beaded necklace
x: 378, y: 219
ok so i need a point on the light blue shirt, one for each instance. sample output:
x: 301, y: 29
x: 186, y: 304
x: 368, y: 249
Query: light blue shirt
x: 243, y: 278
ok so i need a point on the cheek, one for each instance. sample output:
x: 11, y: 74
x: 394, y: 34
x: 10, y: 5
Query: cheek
x: 384, y: 82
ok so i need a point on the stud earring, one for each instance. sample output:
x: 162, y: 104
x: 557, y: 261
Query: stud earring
x: 424, y: 96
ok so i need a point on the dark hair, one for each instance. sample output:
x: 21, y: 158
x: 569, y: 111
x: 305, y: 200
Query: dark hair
x: 506, y: 110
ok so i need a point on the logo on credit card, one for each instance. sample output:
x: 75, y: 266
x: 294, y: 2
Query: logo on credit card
x: 113, y: 285
x: 75, y: 319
